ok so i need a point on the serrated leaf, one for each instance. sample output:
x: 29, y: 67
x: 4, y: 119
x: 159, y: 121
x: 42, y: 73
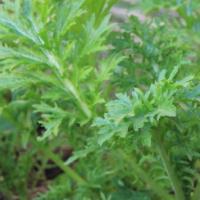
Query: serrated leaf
x: 139, y: 122
x: 166, y: 109
x: 105, y: 134
x: 95, y: 36
x: 17, y: 29
x: 52, y: 118
x: 13, y: 82
x: 67, y: 14
x: 120, y: 108
x: 174, y: 72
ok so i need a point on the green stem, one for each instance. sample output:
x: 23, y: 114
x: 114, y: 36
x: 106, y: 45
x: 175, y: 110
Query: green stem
x: 70, y: 172
x: 169, y: 168
x: 82, y: 104
x: 68, y: 85
x: 145, y: 177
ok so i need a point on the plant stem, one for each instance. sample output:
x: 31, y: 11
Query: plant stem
x: 169, y: 168
x: 70, y: 172
x: 68, y: 84
x: 145, y: 177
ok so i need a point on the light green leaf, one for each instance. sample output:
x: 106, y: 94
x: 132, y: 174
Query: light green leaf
x: 52, y: 118
x: 13, y: 82
x: 105, y: 134
x: 67, y: 14
x: 16, y: 28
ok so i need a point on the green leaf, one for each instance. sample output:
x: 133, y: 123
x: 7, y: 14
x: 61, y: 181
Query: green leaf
x: 193, y: 94
x: 27, y: 8
x: 174, y: 72
x: 138, y: 111
x: 107, y: 66
x: 95, y: 36
x: 139, y: 122
x: 67, y: 14
x: 17, y: 29
x: 166, y: 108
x: 105, y: 134
x: 120, y: 108
x: 24, y: 55
x: 13, y: 82
x: 52, y: 118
